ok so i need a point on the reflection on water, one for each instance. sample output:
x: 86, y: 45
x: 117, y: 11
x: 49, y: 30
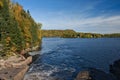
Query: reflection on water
x: 62, y: 59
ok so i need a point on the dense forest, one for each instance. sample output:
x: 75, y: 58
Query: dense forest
x: 72, y: 34
x: 58, y: 33
x: 18, y: 30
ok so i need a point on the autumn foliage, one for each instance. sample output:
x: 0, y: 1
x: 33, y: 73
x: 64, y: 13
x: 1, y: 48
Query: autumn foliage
x: 18, y: 30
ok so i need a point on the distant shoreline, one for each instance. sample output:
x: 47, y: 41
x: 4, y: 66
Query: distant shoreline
x: 73, y: 34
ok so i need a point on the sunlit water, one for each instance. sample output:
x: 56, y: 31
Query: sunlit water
x: 63, y: 58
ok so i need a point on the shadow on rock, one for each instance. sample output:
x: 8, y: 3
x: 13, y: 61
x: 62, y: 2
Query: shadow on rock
x: 94, y: 74
x: 115, y: 69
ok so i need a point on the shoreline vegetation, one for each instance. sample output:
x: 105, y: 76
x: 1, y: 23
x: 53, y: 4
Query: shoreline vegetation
x: 18, y: 30
x: 19, y: 35
x: 68, y: 33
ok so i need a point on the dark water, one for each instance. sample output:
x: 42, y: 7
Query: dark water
x: 64, y: 58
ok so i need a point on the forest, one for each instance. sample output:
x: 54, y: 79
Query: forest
x: 73, y: 34
x: 18, y: 30
x: 59, y: 33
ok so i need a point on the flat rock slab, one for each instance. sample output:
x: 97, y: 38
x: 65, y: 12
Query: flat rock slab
x: 13, y: 73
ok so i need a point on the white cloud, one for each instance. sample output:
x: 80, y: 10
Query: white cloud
x: 109, y: 24
x: 80, y: 20
x: 112, y: 20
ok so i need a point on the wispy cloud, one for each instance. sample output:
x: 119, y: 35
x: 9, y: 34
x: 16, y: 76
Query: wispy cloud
x: 84, y: 15
x: 93, y: 24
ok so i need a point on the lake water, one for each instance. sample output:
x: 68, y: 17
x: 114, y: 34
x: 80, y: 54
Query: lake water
x: 63, y: 58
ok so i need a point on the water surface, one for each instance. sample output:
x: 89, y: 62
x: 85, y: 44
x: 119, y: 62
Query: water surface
x: 63, y: 58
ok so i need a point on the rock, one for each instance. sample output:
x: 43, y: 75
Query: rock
x: 115, y: 69
x: 15, y: 62
x: 22, y: 52
x: 25, y: 62
x: 28, y: 49
x: 14, y: 68
x: 2, y: 62
x: 13, y: 73
x: 97, y: 74
x: 8, y: 65
x: 83, y: 75
x: 15, y: 59
x: 1, y: 47
x: 94, y: 74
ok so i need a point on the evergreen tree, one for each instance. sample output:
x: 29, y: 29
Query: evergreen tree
x: 18, y: 30
x: 11, y: 37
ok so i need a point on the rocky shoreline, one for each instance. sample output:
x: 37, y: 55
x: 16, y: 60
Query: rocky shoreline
x: 16, y: 71
x: 12, y: 69
x: 15, y: 67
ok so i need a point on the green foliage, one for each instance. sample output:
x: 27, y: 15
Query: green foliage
x: 17, y: 28
x: 89, y: 35
x: 73, y: 34
x: 114, y: 35
x: 29, y: 28
x: 59, y: 33
x: 9, y: 30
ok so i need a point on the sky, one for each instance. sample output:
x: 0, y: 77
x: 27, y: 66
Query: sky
x: 95, y: 16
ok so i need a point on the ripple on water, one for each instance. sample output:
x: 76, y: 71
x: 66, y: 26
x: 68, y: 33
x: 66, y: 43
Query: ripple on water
x: 62, y: 59
x: 48, y: 72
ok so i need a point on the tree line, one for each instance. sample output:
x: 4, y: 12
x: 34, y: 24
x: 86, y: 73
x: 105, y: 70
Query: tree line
x: 72, y: 34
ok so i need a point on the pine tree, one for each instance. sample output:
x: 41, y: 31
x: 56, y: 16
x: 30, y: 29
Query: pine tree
x: 18, y: 30
x: 11, y: 37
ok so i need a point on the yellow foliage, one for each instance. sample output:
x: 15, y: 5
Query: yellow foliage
x: 13, y: 49
x: 8, y: 39
x: 39, y: 34
x: 27, y: 45
x: 1, y: 4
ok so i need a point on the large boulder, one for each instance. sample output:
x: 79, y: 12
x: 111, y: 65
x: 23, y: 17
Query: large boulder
x: 94, y: 74
x: 115, y: 69
x: 14, y: 68
x: 14, y: 62
x: 13, y: 73
x: 97, y: 74
x: 83, y: 75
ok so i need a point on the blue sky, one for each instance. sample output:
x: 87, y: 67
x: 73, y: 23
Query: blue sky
x: 96, y: 16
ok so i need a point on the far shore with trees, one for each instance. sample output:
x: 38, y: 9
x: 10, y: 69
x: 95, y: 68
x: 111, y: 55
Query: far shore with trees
x: 68, y: 33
